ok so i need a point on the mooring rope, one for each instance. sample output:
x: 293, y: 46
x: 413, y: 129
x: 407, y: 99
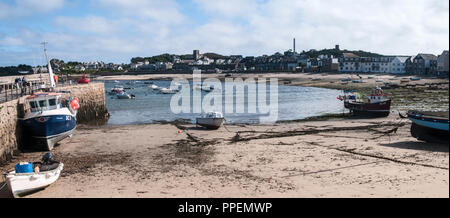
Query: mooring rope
x: 3, y: 186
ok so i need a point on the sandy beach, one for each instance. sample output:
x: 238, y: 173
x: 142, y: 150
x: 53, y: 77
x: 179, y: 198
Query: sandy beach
x: 340, y: 157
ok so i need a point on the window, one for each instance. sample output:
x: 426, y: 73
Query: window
x: 42, y: 103
x: 33, y: 104
x: 52, y: 102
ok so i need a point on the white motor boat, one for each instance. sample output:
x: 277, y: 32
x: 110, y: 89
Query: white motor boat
x: 204, y: 88
x: 44, y: 174
x: 24, y: 183
x: 154, y: 87
x: 210, y: 120
x: 166, y: 91
x: 124, y: 95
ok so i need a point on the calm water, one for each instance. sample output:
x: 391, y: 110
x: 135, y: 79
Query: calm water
x: 294, y: 102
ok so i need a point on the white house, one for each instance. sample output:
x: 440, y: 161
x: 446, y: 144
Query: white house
x: 398, y: 65
x: 136, y: 65
x: 80, y: 68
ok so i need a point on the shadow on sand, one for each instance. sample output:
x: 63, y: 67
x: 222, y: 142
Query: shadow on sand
x: 418, y: 145
x: 4, y: 191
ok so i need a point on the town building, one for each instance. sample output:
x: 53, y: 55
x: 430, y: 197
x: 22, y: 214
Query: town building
x: 398, y: 64
x: 442, y: 63
x: 424, y: 64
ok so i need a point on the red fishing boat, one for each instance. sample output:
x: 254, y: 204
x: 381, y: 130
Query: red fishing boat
x: 84, y: 79
x: 377, y: 104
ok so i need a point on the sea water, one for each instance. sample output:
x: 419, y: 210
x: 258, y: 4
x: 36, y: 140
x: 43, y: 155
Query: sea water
x: 150, y: 106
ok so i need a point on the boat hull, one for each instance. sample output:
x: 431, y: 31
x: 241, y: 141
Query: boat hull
x: 379, y: 109
x: 46, y: 131
x: 21, y: 184
x: 210, y: 123
x: 429, y: 126
x: 429, y: 121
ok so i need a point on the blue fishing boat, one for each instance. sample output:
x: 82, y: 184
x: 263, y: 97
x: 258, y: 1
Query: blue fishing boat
x: 428, y: 125
x: 46, y: 120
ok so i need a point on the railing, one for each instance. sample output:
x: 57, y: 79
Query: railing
x: 12, y: 91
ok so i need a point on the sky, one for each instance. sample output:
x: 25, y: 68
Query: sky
x: 117, y: 30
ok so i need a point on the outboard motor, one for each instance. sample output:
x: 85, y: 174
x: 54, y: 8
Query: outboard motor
x: 48, y: 158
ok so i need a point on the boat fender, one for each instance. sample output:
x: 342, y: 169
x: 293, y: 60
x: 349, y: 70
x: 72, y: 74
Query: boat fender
x: 74, y: 104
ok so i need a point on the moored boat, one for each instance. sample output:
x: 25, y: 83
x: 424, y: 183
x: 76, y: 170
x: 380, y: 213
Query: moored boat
x: 46, y: 120
x: 377, y: 104
x: 210, y: 120
x: 124, y: 95
x: 429, y: 126
x: 116, y: 90
x: 83, y: 80
x: 41, y: 175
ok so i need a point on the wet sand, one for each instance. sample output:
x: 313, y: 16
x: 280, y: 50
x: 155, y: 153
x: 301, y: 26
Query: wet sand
x: 331, y: 80
x: 339, y: 157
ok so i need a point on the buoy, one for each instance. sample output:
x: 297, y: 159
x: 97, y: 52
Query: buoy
x: 74, y: 104
x: 179, y: 131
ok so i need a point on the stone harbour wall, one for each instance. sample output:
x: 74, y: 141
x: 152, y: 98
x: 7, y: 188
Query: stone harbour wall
x: 9, y: 129
x: 92, y: 100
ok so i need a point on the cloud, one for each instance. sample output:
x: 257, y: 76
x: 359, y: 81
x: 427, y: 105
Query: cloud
x: 116, y: 30
x: 165, y: 11
x: 22, y: 8
x: 381, y: 26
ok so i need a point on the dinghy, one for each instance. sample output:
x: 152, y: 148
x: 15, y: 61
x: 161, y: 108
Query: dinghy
x: 211, y: 120
x: 21, y: 181
x: 124, y: 95
x: 166, y: 91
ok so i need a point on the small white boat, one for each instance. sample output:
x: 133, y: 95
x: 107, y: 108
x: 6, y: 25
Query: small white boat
x: 166, y: 91
x: 24, y: 183
x: 153, y: 86
x: 210, y: 120
x: 124, y: 95
x: 204, y: 88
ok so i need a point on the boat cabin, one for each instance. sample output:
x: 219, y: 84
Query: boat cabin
x: 212, y: 115
x: 44, y: 102
x: 377, y: 96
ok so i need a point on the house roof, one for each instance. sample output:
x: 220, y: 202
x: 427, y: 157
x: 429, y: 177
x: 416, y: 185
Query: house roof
x: 427, y: 56
x: 402, y: 59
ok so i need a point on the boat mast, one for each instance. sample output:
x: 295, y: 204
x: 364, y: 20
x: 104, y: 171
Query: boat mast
x: 49, y: 66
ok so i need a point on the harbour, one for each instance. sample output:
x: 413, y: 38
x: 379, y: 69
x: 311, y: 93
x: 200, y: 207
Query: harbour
x: 224, y: 107
x: 130, y: 154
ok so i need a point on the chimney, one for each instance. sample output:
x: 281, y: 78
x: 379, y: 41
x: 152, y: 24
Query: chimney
x: 294, y: 45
